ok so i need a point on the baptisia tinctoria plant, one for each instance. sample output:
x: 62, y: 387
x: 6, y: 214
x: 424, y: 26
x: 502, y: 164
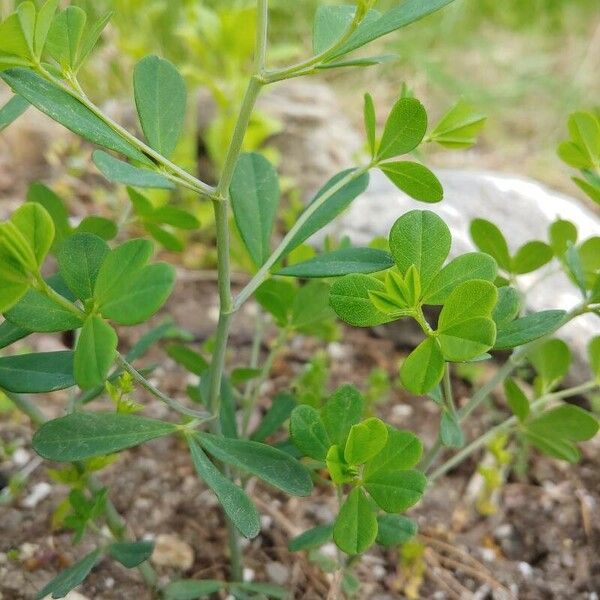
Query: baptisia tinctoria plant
x: 467, y: 307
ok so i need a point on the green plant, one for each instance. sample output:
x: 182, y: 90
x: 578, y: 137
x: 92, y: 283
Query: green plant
x: 376, y: 471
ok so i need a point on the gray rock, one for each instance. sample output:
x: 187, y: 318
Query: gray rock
x: 521, y: 207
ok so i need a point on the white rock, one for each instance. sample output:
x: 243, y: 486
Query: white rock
x: 249, y: 575
x: 525, y: 569
x: 171, y: 551
x: 38, y: 493
x: 73, y: 595
x: 20, y: 457
x: 277, y: 573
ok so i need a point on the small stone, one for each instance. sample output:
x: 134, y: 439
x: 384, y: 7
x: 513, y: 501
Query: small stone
x: 39, y: 492
x: 20, y: 457
x: 378, y: 572
x: 525, y: 569
x: 266, y: 522
x: 488, y: 554
x: 171, y: 551
x: 248, y: 575
x: 503, y: 531
x: 278, y: 573
x: 402, y: 411
x: 337, y: 351
x: 109, y: 583
x: 27, y: 551
x: 329, y: 550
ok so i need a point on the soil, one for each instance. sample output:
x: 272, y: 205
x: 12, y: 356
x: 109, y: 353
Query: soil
x: 542, y: 542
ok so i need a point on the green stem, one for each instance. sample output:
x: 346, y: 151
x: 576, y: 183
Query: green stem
x: 505, y: 427
x: 263, y: 272
x: 448, y: 395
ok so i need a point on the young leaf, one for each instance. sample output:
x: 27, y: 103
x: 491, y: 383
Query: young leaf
x: 370, y: 124
x: 10, y: 333
x: 350, y: 299
x: 331, y: 208
x: 467, y: 340
x: 459, y: 127
x: 269, y: 464
x: 415, y: 180
x: 341, y: 411
x: 43, y: 23
x: 562, y: 234
x: 365, y: 441
x: 451, y: 433
x: 423, y: 369
x: 396, y: 491
x: 160, y: 97
x: 402, y: 450
x: 131, y: 554
x: 489, y: 239
x: 422, y: 239
x: 80, y: 435
x: 232, y: 498
x: 94, y: 353
x: 582, y: 151
x: 118, y: 171
x: 404, y: 129
x: 355, y: 528
x: 331, y: 22
x: 191, y: 589
x: 70, y: 578
x: 254, y: 200
x: 308, y: 432
x: 12, y: 110
x: 339, y: 470
x: 90, y: 39
x: 475, y: 298
x: 508, y: 306
x: 37, y: 373
x: 68, y: 111
x: 14, y: 47
x: 473, y: 265
x: 103, y: 228
x: 79, y: 261
x: 516, y: 399
x: 37, y: 228
x: 530, y: 257
x: 394, y: 530
x: 528, y: 328
x: 341, y: 262
x: 55, y: 207
x: 280, y: 411
x: 551, y: 361
x: 311, y: 539
x: 64, y: 37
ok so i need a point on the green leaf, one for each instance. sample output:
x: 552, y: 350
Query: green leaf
x: 364, y: 61
x: 528, y: 328
x: 118, y: 269
x: 341, y: 262
x: 311, y: 539
x: 530, y: 257
x: 341, y: 411
x: 103, y: 228
x: 68, y: 111
x: 396, y: 491
x: 80, y: 435
x: 404, y: 129
x: 187, y: 358
x: 475, y: 298
x: 582, y: 151
x: 402, y: 450
x: 277, y: 298
x: 145, y: 294
x: 508, y: 306
x: 44, y: 20
x: 331, y: 208
x: 10, y: 333
x: 37, y: 228
x: 451, y: 433
x: 394, y: 530
x: 594, y: 357
x: 551, y: 361
x: 118, y: 171
x: 37, y: 373
x: 415, y: 180
x: 467, y: 340
x: 70, y: 578
x: 55, y: 207
x: 281, y: 410
x: 516, y: 399
x: 308, y: 432
x: 269, y: 464
x: 175, y: 217
x: 489, y: 239
x: 131, y: 554
x: 339, y: 470
x: 591, y: 188
x: 160, y: 97
x: 233, y: 499
x: 94, y: 353
x: 262, y: 590
x: 331, y: 22
x: 423, y: 368
x: 90, y: 38
x: 422, y: 239
x: 12, y: 110
x: 365, y: 441
x: 350, y: 299
x: 311, y: 306
x: 370, y: 124
x: 405, y: 14
x: 79, y: 261
x: 191, y: 589
x: 562, y: 234
x: 65, y: 35
x: 254, y: 199
x: 13, y: 41
x: 473, y: 265
x: 459, y: 127
x: 355, y: 528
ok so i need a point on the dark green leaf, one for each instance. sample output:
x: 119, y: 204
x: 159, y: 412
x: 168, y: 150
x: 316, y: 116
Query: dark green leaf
x: 341, y: 411
x: 516, y: 399
x: 370, y: 124
x: 394, y: 530
x: 308, y: 432
x: 118, y: 171
x: 187, y: 358
x: 192, y: 589
x: 232, y: 498
x: 280, y: 411
x: 84, y: 435
x: 404, y: 129
x: 12, y: 110
x: 64, y: 37
x: 331, y: 22
x: 277, y: 298
x: 94, y: 353
x: 423, y: 369
x: 68, y: 111
x: 528, y: 328
x: 341, y: 262
x: 402, y: 451
x: 567, y: 422
x: 267, y: 463
x: 365, y: 441
x: 311, y: 306
x: 508, y: 306
x: 37, y: 373
x: 160, y: 97
x: 396, y: 491
x: 355, y: 528
x: 131, y: 554
x: 10, y: 333
x: 313, y: 538
x: 415, y: 180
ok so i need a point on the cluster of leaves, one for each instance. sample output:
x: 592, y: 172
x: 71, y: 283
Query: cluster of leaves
x: 366, y: 456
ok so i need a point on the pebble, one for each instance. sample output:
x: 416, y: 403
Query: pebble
x: 171, y: 551
x: 402, y: 411
x: 278, y: 573
x: 503, y: 531
x: 266, y: 522
x: 20, y: 457
x: 248, y: 575
x: 337, y: 351
x: 488, y: 554
x: 525, y: 569
x: 329, y: 550
x: 39, y: 492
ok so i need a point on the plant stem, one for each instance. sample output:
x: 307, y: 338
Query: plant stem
x: 448, y: 395
x: 505, y: 427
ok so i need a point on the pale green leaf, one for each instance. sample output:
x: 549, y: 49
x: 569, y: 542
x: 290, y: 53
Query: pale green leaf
x: 415, y: 180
